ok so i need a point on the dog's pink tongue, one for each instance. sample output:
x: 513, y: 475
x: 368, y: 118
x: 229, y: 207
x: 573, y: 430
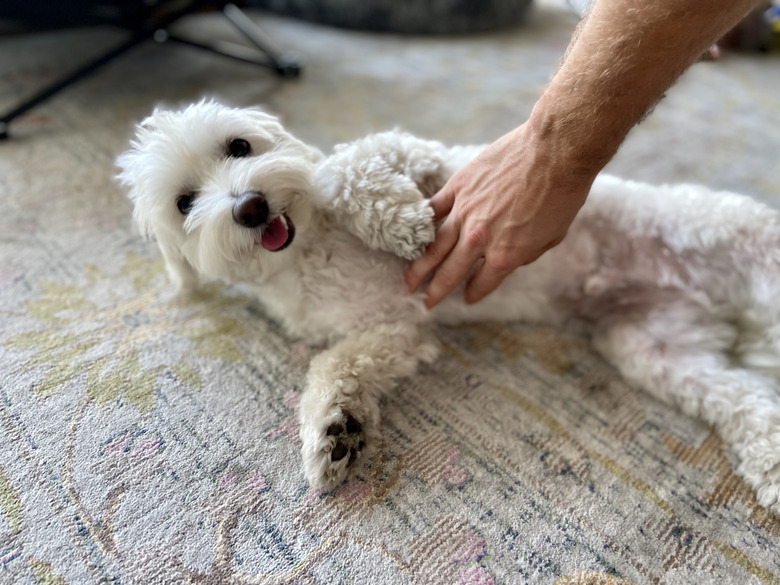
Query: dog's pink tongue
x: 274, y: 235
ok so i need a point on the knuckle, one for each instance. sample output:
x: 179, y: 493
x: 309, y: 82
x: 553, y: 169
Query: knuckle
x: 475, y: 236
x: 502, y: 260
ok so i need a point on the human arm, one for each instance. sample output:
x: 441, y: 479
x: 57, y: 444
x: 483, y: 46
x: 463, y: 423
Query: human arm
x: 517, y: 199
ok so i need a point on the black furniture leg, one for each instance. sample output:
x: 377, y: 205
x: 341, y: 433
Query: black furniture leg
x: 58, y: 86
x: 284, y: 65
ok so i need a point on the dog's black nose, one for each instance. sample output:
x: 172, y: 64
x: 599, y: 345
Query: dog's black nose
x: 250, y: 210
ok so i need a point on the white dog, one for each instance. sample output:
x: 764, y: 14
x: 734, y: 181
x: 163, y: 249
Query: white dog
x: 680, y: 283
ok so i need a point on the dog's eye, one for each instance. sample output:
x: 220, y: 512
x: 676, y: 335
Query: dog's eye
x: 239, y: 148
x: 184, y: 203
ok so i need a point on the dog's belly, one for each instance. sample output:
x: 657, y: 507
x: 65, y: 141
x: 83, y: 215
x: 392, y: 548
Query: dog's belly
x: 536, y: 293
x: 634, y: 246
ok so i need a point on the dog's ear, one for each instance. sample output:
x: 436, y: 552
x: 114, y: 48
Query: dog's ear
x: 180, y: 271
x: 132, y: 163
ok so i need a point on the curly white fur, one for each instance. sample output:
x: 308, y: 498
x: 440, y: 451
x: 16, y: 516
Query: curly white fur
x: 678, y: 282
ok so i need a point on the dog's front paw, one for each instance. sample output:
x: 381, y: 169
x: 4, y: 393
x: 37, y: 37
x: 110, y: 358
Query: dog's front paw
x: 408, y: 231
x: 331, y: 447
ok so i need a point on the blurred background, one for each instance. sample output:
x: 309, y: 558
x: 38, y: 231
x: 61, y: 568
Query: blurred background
x: 462, y: 72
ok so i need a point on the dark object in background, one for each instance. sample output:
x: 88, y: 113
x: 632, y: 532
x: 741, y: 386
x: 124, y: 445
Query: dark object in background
x: 758, y: 31
x: 54, y: 14
x: 128, y: 14
x: 405, y: 16
x: 144, y: 20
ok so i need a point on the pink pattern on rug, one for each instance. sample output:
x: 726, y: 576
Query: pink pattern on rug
x: 353, y: 491
x: 473, y: 550
x: 228, y: 479
x: 290, y: 425
x: 454, y: 475
x: 475, y: 576
x: 133, y: 446
x: 255, y: 480
x: 145, y: 446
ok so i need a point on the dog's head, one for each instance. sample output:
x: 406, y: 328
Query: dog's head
x: 223, y: 190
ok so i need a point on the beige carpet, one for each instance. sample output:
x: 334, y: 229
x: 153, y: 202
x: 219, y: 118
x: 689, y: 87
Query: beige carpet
x: 150, y: 439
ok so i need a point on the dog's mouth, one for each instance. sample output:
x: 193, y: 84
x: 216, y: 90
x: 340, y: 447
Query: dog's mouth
x: 277, y: 234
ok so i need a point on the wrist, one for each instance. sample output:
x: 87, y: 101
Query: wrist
x: 567, y: 135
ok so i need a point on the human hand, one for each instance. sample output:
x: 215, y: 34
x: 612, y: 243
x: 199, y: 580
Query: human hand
x: 504, y: 209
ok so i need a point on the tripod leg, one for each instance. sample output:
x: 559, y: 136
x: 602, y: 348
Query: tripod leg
x: 58, y: 86
x: 284, y: 65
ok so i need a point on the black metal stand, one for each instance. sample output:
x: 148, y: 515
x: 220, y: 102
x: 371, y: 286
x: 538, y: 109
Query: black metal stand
x: 284, y: 65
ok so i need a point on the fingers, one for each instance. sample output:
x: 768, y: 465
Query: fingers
x: 452, y: 255
x: 445, y: 241
x: 446, y: 238
x: 452, y: 271
x: 442, y: 202
x: 498, y: 265
x: 485, y: 280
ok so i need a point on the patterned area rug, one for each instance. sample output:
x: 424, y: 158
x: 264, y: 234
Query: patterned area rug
x: 152, y: 439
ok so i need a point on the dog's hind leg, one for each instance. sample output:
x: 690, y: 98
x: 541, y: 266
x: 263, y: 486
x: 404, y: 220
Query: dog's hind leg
x: 687, y: 362
x: 340, y: 407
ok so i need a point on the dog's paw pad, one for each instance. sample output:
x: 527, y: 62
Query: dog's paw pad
x: 348, y: 434
x: 338, y: 452
x: 334, y: 443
